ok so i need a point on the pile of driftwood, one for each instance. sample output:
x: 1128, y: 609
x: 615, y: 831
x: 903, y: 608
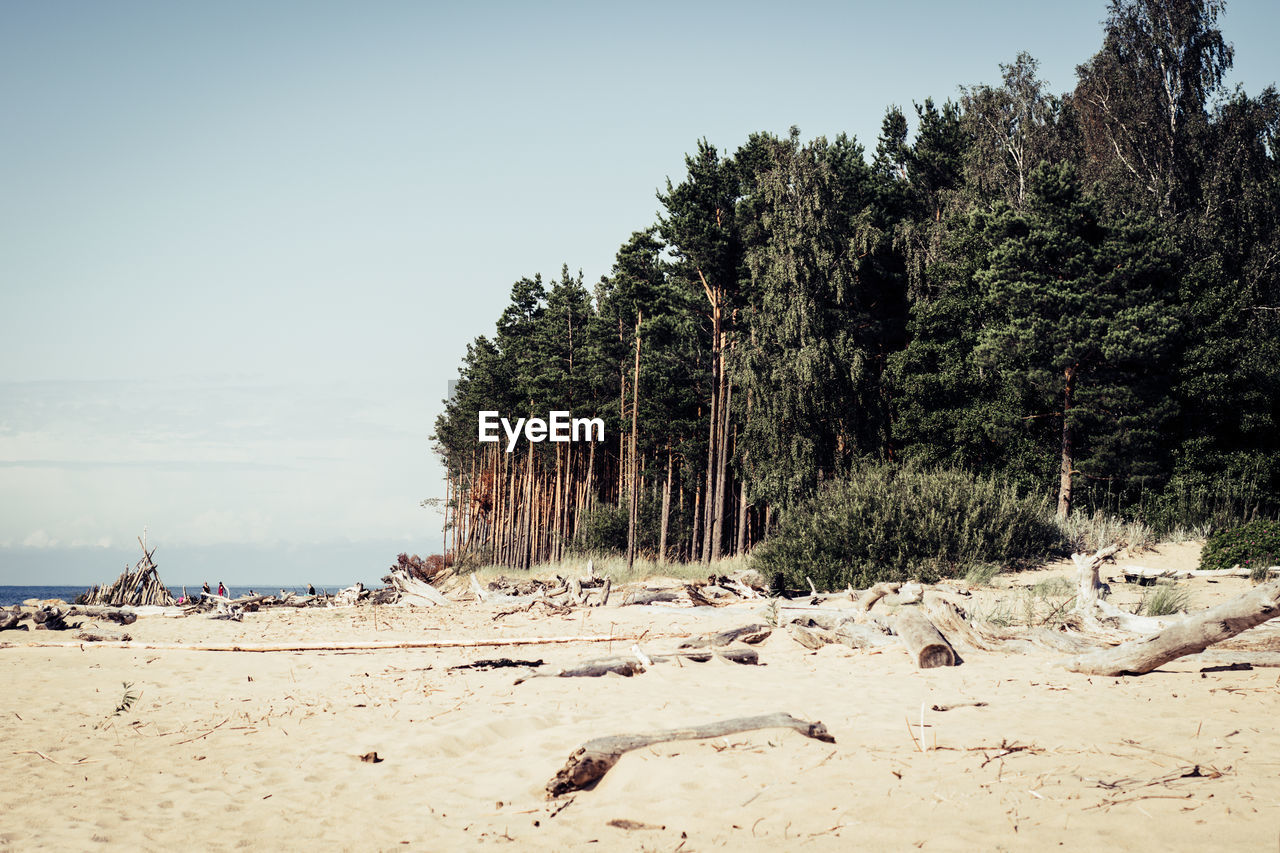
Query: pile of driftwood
x: 54, y: 617
x: 562, y: 594
x: 220, y: 607
x: 931, y: 622
x: 137, y: 586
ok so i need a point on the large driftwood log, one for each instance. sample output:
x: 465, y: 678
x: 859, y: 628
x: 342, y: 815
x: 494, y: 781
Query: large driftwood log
x: 1191, y: 635
x: 588, y: 764
x: 928, y: 647
x: 1183, y: 574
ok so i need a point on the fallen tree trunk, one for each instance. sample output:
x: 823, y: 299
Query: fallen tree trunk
x: 1191, y: 635
x: 588, y: 764
x: 929, y: 649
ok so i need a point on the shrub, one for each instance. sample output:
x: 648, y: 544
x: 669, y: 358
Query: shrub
x: 886, y: 522
x: 1255, y: 546
x: 604, y: 530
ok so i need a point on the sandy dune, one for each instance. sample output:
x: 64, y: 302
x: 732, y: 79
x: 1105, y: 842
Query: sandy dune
x: 242, y: 750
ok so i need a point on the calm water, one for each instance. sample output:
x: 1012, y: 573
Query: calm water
x: 17, y: 594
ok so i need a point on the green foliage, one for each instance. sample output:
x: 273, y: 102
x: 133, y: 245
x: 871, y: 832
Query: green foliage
x: 604, y: 530
x: 885, y: 522
x: 126, y: 700
x: 1252, y: 545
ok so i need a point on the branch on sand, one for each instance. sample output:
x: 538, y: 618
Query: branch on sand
x: 588, y: 764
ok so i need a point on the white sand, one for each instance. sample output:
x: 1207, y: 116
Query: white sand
x: 240, y: 750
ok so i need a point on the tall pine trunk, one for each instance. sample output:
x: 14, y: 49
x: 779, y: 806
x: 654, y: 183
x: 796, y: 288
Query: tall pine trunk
x: 1068, y: 450
x: 635, y: 468
x: 722, y: 459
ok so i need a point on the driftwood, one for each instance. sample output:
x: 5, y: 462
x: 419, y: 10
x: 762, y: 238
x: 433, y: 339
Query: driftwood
x: 624, y: 666
x: 414, y: 591
x: 588, y: 764
x: 1139, y: 574
x: 118, y: 615
x: 346, y: 647
x: 1189, y: 636
x: 739, y: 654
x: 928, y: 647
x: 1092, y: 610
x: 497, y: 663
x: 877, y: 592
x: 647, y: 596
x: 137, y: 586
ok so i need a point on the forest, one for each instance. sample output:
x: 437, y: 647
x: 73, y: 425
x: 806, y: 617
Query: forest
x: 1073, y: 295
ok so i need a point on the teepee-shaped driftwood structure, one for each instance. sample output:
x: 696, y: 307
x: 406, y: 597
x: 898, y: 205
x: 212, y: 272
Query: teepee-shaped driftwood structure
x: 137, y: 586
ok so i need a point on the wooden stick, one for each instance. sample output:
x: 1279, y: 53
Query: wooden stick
x: 588, y: 764
x: 1191, y: 635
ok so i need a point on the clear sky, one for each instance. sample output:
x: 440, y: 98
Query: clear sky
x: 245, y: 243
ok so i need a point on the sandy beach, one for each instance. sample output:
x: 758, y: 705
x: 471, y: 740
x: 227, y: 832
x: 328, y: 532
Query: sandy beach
x: 246, y: 750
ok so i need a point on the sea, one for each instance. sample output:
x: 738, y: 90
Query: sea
x: 10, y: 595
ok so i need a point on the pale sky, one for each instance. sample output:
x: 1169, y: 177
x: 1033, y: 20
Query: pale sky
x: 246, y: 243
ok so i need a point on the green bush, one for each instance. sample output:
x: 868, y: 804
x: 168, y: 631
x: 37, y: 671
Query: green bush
x: 1255, y: 545
x: 888, y: 523
x: 604, y: 530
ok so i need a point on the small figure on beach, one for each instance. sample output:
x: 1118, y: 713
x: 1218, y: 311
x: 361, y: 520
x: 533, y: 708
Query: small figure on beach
x: 206, y: 587
x: 222, y: 590
x: 311, y: 589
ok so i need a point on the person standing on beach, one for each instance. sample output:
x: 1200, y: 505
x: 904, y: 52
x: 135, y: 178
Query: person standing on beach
x: 311, y: 589
x: 222, y: 590
x: 206, y: 587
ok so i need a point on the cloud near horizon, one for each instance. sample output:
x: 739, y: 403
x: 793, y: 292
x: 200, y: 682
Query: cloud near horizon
x: 205, y: 462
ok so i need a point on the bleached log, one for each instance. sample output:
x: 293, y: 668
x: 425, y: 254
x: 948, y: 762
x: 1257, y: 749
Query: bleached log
x: 929, y: 649
x: 1189, y: 636
x: 588, y: 764
x: 626, y: 667
x: 414, y: 591
x: 1088, y: 584
x: 481, y: 592
x: 1185, y: 574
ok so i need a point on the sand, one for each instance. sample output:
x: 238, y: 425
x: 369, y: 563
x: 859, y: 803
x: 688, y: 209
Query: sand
x: 234, y: 750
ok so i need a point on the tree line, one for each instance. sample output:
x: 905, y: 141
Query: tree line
x: 1078, y: 293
